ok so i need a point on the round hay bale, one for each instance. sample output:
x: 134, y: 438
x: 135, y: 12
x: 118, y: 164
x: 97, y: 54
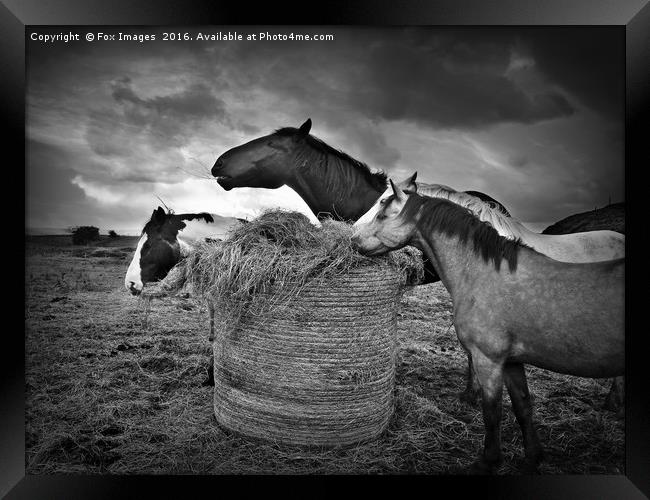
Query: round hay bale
x: 305, y: 329
x: 320, y: 369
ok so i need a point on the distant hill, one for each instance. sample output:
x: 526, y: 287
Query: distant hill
x: 610, y: 217
x: 65, y: 240
x: 53, y: 231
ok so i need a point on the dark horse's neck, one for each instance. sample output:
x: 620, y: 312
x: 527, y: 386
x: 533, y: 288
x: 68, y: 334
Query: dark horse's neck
x: 334, y: 184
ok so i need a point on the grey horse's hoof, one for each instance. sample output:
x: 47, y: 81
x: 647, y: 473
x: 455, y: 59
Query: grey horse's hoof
x: 469, y: 397
x: 530, y: 466
x: 481, y: 467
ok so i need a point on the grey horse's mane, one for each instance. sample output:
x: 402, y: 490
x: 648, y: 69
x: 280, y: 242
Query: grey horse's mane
x: 507, y: 227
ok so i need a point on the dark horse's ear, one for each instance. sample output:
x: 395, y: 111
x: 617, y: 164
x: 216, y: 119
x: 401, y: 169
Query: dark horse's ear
x: 305, y: 128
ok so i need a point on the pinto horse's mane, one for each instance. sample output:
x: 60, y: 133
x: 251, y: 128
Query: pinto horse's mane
x: 487, y: 212
x: 178, y: 218
x: 438, y: 214
x: 337, y: 176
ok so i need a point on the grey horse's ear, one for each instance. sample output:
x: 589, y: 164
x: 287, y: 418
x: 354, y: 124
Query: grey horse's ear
x: 305, y: 128
x: 410, y: 184
x: 397, y: 191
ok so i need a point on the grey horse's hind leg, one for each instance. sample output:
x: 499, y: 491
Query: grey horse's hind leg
x: 472, y: 388
x: 616, y: 397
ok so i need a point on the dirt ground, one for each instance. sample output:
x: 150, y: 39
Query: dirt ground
x: 114, y: 385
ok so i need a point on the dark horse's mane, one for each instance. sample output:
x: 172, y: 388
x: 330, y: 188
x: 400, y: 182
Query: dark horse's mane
x: 454, y: 220
x: 377, y: 180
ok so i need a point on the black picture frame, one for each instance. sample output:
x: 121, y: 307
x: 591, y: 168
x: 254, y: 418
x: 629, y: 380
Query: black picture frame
x: 633, y: 16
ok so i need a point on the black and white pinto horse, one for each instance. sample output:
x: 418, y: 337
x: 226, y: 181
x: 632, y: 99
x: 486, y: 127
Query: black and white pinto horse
x: 166, y: 239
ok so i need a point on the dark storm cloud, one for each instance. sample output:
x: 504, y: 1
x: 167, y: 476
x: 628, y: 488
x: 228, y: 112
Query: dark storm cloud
x: 193, y: 103
x: 451, y: 89
x: 164, y: 121
x: 440, y: 80
x: 588, y: 64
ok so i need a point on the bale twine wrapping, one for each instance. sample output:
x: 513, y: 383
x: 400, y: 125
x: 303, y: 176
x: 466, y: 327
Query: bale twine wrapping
x: 305, y: 334
x: 320, y: 370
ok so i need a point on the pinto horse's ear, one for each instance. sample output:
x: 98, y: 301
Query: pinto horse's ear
x: 305, y: 128
x: 158, y: 214
x: 397, y: 191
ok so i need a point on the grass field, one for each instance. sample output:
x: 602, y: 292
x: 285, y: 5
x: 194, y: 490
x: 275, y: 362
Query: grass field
x: 114, y: 385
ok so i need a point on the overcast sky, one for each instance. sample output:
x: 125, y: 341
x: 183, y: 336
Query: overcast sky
x: 532, y: 117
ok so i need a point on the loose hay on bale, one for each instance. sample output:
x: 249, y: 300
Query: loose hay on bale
x: 175, y: 281
x: 305, y: 337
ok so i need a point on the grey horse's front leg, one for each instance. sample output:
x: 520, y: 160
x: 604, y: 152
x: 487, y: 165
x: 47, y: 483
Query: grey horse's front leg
x: 472, y: 388
x: 515, y: 378
x: 490, y: 376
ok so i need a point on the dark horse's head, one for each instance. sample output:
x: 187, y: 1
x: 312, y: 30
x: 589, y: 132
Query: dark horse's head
x: 158, y: 249
x: 262, y: 162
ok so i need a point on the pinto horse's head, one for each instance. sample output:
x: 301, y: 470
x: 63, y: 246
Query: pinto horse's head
x: 263, y: 162
x: 388, y: 229
x: 157, y: 252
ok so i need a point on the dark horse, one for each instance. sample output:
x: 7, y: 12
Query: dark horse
x: 332, y: 183
x: 511, y: 305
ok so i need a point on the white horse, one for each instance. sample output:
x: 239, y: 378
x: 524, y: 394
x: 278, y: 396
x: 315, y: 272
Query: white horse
x: 589, y: 246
